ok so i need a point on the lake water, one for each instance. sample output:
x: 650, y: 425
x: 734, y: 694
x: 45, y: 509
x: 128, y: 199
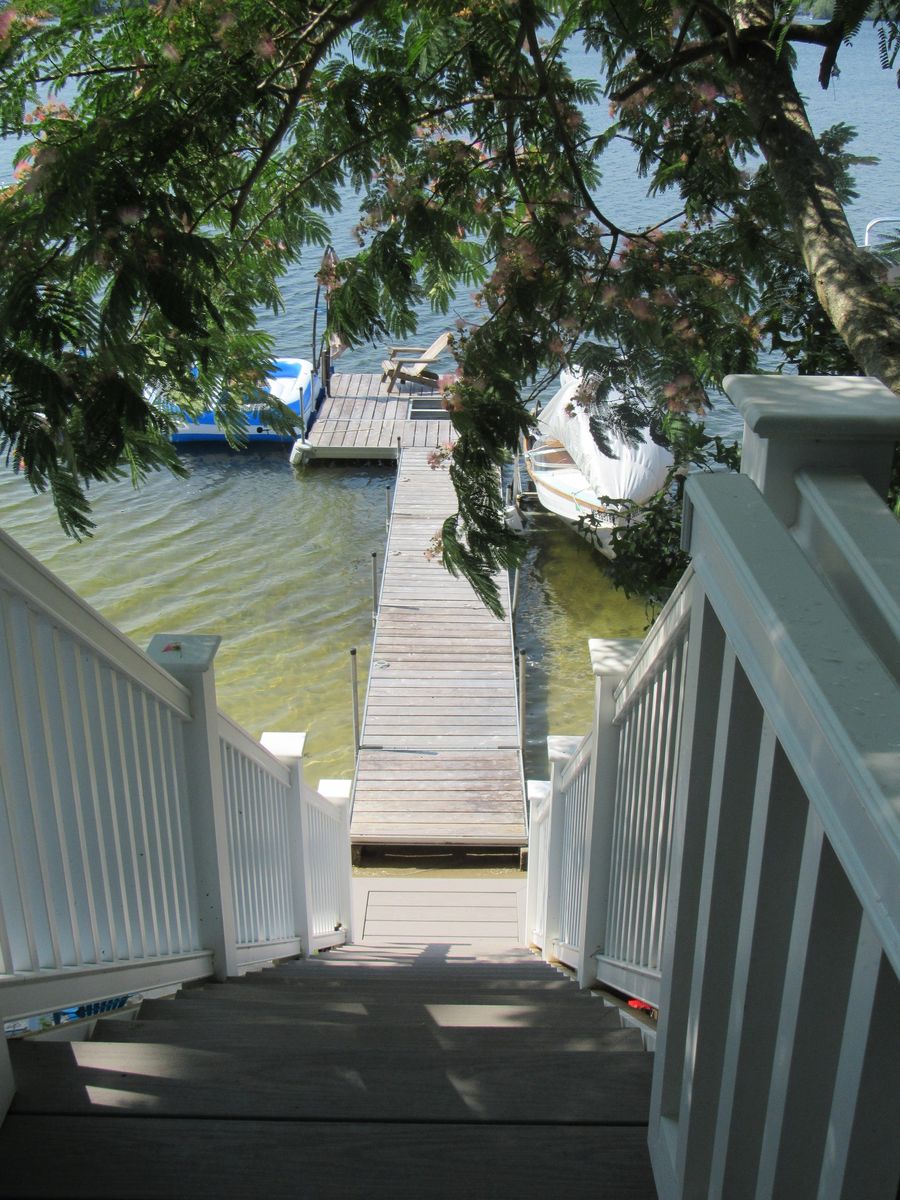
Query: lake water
x: 279, y: 563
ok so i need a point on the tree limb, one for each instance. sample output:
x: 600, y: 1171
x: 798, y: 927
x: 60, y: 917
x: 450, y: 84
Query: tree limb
x: 295, y: 95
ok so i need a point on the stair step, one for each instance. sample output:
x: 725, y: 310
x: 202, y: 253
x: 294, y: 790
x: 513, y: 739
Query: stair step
x: 314, y: 970
x: 267, y: 1081
x: 378, y: 994
x: 216, y: 1032
x: 103, y: 1159
x: 392, y: 984
x: 502, y: 1011
x: 371, y: 1071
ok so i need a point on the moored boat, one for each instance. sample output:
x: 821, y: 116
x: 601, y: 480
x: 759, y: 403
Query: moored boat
x: 576, y: 481
x: 293, y: 382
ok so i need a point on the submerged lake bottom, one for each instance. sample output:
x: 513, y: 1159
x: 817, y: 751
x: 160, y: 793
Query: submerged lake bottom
x: 279, y: 564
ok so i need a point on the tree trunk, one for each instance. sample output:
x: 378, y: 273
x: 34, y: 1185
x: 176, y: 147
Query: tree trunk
x: 848, y: 281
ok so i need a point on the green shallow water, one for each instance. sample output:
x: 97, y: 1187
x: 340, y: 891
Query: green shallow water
x: 279, y: 564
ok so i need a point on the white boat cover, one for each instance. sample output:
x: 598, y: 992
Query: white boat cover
x: 637, y: 471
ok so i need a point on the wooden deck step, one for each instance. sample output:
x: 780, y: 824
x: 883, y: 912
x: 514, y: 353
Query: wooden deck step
x: 213, y: 1030
x: 392, y: 1085
x: 103, y: 1159
x: 105, y: 1079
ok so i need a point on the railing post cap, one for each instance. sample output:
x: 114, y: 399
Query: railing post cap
x: 184, y: 653
x: 819, y: 407
x: 336, y: 790
x: 284, y: 746
x: 613, y: 656
x: 561, y: 747
x: 537, y: 790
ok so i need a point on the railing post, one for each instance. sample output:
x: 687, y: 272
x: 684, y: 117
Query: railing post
x: 610, y: 658
x: 794, y: 422
x: 535, y: 895
x: 560, y: 749
x: 190, y: 661
x: 288, y: 749
x: 338, y: 792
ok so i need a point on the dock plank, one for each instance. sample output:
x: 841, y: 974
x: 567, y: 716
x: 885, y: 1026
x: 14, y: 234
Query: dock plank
x: 359, y: 419
x: 440, y: 762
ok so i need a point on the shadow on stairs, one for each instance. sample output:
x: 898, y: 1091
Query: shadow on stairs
x: 378, y: 1070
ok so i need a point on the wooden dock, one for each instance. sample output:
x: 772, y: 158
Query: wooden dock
x: 440, y: 760
x: 359, y: 419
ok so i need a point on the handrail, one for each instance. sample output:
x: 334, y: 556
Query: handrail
x: 878, y: 221
x: 42, y: 590
x: 745, y: 780
x: 576, y: 761
x: 838, y: 716
x: 238, y: 737
x: 668, y: 625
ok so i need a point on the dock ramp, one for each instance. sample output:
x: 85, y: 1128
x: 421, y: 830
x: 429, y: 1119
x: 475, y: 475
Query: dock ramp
x: 440, y: 761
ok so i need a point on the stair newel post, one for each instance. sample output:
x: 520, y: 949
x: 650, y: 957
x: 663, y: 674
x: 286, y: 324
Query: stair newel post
x: 347, y: 869
x: 798, y: 422
x: 610, y: 658
x: 288, y: 749
x: 560, y: 749
x: 190, y: 661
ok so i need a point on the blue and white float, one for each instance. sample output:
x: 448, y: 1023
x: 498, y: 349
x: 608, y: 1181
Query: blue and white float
x: 293, y: 382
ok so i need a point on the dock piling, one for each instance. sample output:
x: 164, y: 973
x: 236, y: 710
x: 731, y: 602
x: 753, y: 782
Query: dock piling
x: 354, y: 685
x: 387, y: 499
x: 374, y: 586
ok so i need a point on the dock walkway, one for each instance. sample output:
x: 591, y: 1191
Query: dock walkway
x: 359, y: 419
x: 440, y: 760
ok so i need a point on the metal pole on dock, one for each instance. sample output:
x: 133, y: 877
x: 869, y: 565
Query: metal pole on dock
x: 522, y: 699
x: 354, y: 684
x: 399, y: 446
x: 515, y: 591
x: 387, y: 497
x: 374, y: 586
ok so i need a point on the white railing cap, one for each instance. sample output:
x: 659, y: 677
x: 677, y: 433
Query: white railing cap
x: 283, y: 745
x: 335, y: 789
x: 822, y: 407
x: 561, y: 746
x: 537, y: 790
x: 44, y: 592
x: 184, y: 652
x: 613, y: 656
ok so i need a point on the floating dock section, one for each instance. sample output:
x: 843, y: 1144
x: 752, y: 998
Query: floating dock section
x: 440, y: 757
x: 360, y: 419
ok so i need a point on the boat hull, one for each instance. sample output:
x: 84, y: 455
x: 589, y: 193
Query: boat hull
x: 566, y: 495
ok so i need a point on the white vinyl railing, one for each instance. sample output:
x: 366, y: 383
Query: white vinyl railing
x: 537, y: 892
x: 145, y: 839
x: 741, y: 855
x: 647, y: 718
x: 259, y: 807
x: 326, y: 836
x: 95, y: 844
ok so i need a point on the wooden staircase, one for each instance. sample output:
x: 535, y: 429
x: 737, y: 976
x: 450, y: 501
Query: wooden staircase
x: 377, y: 1071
